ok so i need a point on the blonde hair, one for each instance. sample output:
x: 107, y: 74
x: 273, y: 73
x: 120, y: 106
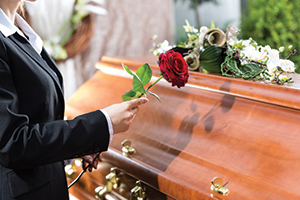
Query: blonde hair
x: 21, y: 9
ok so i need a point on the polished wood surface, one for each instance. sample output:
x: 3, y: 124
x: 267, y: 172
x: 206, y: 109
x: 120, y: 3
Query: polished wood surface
x: 245, y: 132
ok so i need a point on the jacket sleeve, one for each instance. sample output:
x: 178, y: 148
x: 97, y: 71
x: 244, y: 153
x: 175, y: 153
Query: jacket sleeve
x: 25, y: 145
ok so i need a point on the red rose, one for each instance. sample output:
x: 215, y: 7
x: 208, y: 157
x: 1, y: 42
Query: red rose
x: 174, y: 68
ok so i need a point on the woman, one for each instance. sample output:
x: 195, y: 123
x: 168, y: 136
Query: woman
x: 34, y: 138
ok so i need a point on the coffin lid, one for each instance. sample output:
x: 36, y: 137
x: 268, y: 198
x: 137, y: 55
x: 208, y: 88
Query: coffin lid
x: 246, y: 132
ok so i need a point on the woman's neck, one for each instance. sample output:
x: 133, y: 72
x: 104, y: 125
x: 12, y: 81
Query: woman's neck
x: 10, y: 8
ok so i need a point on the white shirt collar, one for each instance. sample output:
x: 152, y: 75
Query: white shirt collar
x: 8, y: 28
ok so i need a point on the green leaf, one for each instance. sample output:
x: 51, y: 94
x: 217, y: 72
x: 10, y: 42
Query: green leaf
x: 143, y: 76
x: 144, y: 73
x: 128, y: 70
x: 137, y: 83
x: 155, y: 95
x: 129, y: 95
x: 211, y: 59
x: 138, y: 86
x: 212, y: 26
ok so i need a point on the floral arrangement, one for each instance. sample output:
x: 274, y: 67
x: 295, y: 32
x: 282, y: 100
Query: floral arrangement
x: 173, y: 69
x: 82, y: 8
x: 211, y: 50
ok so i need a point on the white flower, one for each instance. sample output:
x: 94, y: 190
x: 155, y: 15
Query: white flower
x: 284, y: 64
x: 56, y: 50
x: 262, y: 56
x: 203, y: 31
x: 251, y: 53
x: 281, y: 49
x: 246, y: 43
x: 157, y: 52
x: 164, y: 46
x: 273, y: 64
x: 290, y: 47
x: 287, y: 65
x: 249, y: 42
x: 282, y: 77
x: 266, y: 48
x: 272, y: 78
x: 273, y: 53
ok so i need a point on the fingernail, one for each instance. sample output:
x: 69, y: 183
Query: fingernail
x: 90, y: 160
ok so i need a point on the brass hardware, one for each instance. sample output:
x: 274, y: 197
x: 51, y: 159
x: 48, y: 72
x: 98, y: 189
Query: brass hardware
x: 112, y: 181
x: 193, y: 61
x: 217, y: 186
x: 70, y: 169
x: 127, y: 149
x: 138, y: 192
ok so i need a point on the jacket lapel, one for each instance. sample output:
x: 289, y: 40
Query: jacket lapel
x: 46, y: 64
x: 46, y: 57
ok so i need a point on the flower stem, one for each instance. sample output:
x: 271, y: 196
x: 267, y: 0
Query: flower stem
x: 154, y: 83
x: 291, y: 53
x: 150, y: 86
x: 68, y: 35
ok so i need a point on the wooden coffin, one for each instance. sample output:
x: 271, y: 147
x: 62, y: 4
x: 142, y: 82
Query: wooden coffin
x: 244, y: 132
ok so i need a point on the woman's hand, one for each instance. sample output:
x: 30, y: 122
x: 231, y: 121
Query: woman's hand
x: 122, y: 114
x: 89, y: 159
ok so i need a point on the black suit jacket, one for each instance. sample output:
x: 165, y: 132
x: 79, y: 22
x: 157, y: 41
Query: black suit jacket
x: 34, y: 140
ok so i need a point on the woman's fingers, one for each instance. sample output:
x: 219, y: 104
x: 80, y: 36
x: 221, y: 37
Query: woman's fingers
x: 122, y: 115
x: 137, y: 102
x: 90, y: 160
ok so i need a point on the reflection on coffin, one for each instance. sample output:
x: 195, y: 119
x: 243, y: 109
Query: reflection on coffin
x: 215, y: 132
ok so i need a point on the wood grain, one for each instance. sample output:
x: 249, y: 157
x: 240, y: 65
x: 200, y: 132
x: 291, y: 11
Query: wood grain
x: 242, y: 131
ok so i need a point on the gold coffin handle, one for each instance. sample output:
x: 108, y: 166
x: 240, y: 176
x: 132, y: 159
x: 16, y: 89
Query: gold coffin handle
x: 138, y: 192
x: 112, y: 181
x: 127, y: 149
x: 218, y: 187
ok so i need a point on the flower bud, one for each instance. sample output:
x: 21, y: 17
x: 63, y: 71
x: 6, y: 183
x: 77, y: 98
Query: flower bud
x: 281, y: 49
x: 290, y: 47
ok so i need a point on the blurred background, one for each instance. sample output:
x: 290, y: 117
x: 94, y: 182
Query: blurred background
x: 125, y: 27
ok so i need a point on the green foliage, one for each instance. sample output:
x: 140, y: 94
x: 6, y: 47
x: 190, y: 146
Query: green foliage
x: 212, y: 58
x: 141, y: 78
x: 232, y: 67
x: 275, y: 23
